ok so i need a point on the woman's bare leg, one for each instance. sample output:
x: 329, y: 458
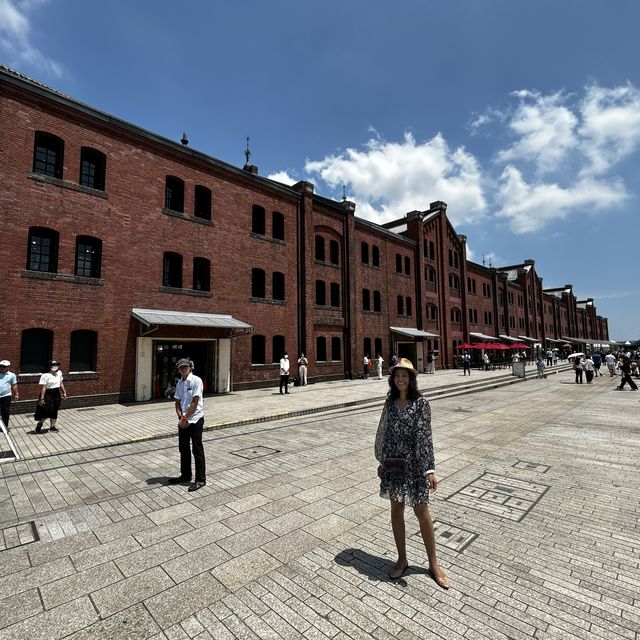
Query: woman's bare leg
x: 429, y: 539
x: 397, y: 524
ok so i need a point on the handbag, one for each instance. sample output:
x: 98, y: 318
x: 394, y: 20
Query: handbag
x: 398, y: 466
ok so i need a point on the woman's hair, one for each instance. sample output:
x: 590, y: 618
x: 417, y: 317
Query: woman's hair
x: 412, y: 392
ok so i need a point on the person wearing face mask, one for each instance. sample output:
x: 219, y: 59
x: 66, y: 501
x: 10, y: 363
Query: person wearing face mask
x: 52, y: 391
x: 284, y: 373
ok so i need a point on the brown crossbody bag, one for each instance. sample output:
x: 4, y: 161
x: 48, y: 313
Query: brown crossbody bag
x: 395, y: 465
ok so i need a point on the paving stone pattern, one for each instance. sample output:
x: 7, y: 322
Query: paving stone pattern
x: 296, y: 543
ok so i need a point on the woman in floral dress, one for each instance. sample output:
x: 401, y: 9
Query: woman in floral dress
x: 404, y: 449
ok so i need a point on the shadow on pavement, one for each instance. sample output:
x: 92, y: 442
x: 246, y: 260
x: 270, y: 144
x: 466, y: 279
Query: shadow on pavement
x: 374, y: 567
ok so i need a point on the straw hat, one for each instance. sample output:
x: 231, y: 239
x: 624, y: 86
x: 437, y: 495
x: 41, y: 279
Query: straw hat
x: 403, y: 364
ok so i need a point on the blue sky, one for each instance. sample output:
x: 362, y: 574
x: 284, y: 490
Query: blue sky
x: 523, y: 116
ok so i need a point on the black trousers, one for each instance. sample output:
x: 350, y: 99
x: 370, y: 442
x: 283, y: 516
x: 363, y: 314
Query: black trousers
x: 193, y: 434
x: 589, y: 375
x: 284, y: 382
x: 626, y: 377
x: 578, y: 376
x: 5, y: 406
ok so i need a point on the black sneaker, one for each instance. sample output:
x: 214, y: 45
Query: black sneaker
x: 178, y: 480
x: 196, y: 485
x: 39, y: 427
x: 54, y: 429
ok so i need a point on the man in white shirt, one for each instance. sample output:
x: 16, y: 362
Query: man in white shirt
x: 8, y: 389
x: 284, y: 373
x: 610, y: 360
x: 190, y: 411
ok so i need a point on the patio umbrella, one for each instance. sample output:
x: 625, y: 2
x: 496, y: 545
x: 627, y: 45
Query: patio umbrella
x: 465, y: 345
x: 519, y: 345
x: 495, y: 345
x: 574, y: 355
x: 501, y: 347
x: 481, y: 345
x: 566, y: 346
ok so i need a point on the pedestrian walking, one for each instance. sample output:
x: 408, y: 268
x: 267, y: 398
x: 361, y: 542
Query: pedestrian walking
x: 540, y: 366
x: 379, y: 363
x: 589, y: 369
x: 190, y: 411
x: 578, y: 366
x: 52, y: 392
x: 486, y: 360
x: 555, y: 358
x: 303, y: 363
x: 549, y: 358
x: 394, y: 360
x: 365, y: 366
x: 610, y: 361
x: 8, y: 391
x: 597, y: 363
x: 466, y: 364
x: 431, y: 361
x: 284, y: 373
x: 404, y: 449
x: 625, y: 370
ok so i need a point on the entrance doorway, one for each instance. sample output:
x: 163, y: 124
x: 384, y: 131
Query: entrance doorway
x: 165, y: 356
x: 407, y: 350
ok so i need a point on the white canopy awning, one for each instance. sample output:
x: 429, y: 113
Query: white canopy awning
x: 482, y: 336
x: 528, y: 339
x: 188, y: 319
x: 413, y: 333
x: 509, y: 338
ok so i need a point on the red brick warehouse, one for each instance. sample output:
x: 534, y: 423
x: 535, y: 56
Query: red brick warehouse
x: 125, y: 251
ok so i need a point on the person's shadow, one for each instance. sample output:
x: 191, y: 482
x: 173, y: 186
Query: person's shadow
x: 157, y: 480
x: 374, y: 567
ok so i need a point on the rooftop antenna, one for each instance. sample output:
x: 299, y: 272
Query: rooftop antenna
x: 490, y: 265
x: 483, y: 263
x: 247, y: 153
x: 185, y: 140
x: 344, y: 193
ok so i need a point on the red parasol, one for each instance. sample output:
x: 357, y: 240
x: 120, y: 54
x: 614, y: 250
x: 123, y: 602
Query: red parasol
x: 465, y: 345
x: 519, y: 345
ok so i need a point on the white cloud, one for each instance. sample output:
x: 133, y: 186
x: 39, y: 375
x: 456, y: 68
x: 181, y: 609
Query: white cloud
x: 282, y: 176
x: 529, y: 207
x: 388, y: 179
x: 15, y: 37
x: 545, y: 131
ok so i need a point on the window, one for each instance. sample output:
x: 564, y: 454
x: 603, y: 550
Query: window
x: 42, y: 252
x: 334, y: 252
x: 450, y: 258
x: 257, y: 283
x: 454, y: 282
x: 319, y: 248
x: 407, y: 265
x: 432, y: 312
x: 48, y: 152
x: 512, y: 322
x: 366, y: 300
x: 473, y: 316
x: 453, y: 258
x: 400, y: 306
x: 364, y: 252
x: 202, y: 203
x: 257, y: 220
x: 277, y: 348
x: 487, y: 317
x: 277, y: 287
x: 521, y: 323
x: 335, y: 294
x: 378, y: 343
x: 486, y: 290
x: 321, y: 349
x: 398, y: 263
x: 510, y: 297
x: 172, y: 270
x: 367, y: 347
x: 432, y: 250
x: 201, y: 274
x: 456, y: 316
x: 88, y: 256
x: 92, y: 168
x: 336, y: 349
x: 277, y: 225
x: 174, y: 194
x: 83, y: 350
x: 321, y: 293
x: 471, y: 285
x: 500, y: 298
x: 377, y: 301
x: 375, y: 255
x: 408, y: 306
x: 35, y: 349
x: 257, y: 349
x: 430, y: 277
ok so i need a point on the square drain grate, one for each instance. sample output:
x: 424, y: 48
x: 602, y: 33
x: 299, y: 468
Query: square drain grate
x: 18, y: 535
x: 251, y: 453
x: 531, y: 466
x: 451, y: 536
x: 505, y: 497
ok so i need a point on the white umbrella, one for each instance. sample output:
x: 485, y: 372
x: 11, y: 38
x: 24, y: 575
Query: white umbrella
x: 575, y: 355
x: 555, y: 349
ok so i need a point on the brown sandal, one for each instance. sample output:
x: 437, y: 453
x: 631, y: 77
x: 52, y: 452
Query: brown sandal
x: 396, y: 572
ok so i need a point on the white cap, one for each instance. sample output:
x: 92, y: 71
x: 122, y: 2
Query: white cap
x: 4, y: 363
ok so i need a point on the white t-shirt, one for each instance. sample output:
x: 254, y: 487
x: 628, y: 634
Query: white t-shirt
x: 185, y: 390
x: 51, y: 380
x: 610, y: 359
x: 284, y: 366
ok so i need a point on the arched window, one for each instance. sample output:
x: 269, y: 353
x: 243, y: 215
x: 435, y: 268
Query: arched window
x: 319, y: 253
x: 172, y: 270
x: 48, y: 155
x: 88, y: 257
x: 336, y: 349
x: 277, y: 287
x: 335, y: 294
x: 398, y: 263
x: 454, y: 282
x: 93, y: 164
x: 407, y: 265
x: 378, y: 343
x: 257, y: 349
x: 334, y: 252
x: 400, y: 306
x: 364, y: 252
x: 201, y: 274
x: 277, y: 225
x: 408, y: 306
x: 377, y: 301
x: 202, y: 203
x: 366, y: 300
x: 42, y: 251
x: 277, y: 348
x: 432, y: 312
x: 456, y: 316
x: 430, y: 278
x: 36, y: 347
x: 367, y: 347
x: 375, y: 255
x: 258, y: 220
x: 321, y: 293
x: 257, y: 283
x: 174, y: 194
x: 83, y: 351
x: 321, y: 349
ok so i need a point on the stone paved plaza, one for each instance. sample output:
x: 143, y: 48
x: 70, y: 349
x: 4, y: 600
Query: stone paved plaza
x: 536, y: 520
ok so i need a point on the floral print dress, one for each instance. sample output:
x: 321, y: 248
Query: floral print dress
x: 406, y: 434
